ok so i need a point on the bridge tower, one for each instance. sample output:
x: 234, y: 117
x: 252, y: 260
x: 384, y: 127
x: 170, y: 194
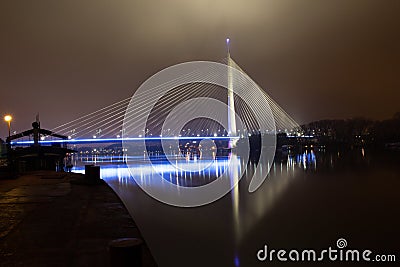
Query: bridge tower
x: 231, y: 100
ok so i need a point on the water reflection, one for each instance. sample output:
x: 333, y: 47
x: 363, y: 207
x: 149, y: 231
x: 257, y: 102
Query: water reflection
x: 114, y: 166
x: 240, y: 222
x: 244, y: 215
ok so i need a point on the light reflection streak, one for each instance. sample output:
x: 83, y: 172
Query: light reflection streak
x: 234, y: 176
x: 244, y: 211
x: 244, y: 214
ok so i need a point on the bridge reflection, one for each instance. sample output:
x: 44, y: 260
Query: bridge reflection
x: 246, y: 209
x: 229, y: 221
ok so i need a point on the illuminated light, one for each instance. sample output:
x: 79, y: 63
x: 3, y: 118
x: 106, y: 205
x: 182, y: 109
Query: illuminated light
x: 42, y: 138
x: 7, y: 118
x: 94, y: 137
x: 127, y: 139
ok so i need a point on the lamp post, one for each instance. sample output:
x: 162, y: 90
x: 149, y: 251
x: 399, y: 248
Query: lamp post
x: 8, y: 119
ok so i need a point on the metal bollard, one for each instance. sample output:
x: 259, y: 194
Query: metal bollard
x: 126, y: 252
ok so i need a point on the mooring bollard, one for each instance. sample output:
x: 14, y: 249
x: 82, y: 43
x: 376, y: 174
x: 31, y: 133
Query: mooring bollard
x: 94, y: 173
x: 126, y: 252
x: 87, y: 170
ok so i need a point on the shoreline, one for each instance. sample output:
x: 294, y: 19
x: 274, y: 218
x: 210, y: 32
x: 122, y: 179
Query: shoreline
x: 52, y: 219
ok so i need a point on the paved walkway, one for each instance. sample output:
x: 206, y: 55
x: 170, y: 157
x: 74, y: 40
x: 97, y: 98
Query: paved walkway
x: 48, y: 220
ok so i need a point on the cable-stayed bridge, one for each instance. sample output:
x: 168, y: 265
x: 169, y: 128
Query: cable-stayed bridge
x: 107, y: 123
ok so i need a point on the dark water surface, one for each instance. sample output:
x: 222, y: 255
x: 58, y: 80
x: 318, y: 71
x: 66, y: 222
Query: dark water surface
x: 309, y: 201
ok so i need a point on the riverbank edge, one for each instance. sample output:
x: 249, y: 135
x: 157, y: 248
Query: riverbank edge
x: 58, y: 219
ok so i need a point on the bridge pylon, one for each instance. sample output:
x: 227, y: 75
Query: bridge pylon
x: 231, y: 99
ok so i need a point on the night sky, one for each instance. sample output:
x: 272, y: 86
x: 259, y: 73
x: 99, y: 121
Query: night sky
x: 317, y: 59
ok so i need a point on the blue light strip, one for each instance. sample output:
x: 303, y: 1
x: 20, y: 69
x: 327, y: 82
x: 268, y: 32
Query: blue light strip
x: 109, y: 140
x: 302, y: 136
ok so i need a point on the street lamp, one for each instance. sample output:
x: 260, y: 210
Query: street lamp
x: 8, y: 118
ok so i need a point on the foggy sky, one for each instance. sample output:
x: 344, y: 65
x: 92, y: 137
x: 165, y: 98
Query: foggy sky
x: 317, y: 59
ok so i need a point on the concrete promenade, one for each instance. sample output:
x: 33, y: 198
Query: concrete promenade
x: 52, y: 219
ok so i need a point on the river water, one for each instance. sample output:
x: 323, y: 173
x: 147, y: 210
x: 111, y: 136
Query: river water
x: 309, y: 201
